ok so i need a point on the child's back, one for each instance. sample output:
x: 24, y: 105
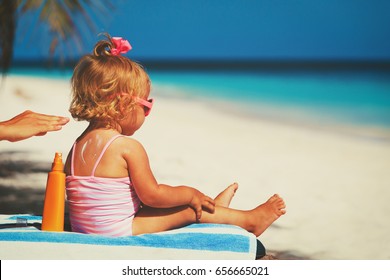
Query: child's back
x: 99, y: 204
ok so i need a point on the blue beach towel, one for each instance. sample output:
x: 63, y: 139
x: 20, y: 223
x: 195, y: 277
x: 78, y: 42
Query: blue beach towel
x: 21, y: 238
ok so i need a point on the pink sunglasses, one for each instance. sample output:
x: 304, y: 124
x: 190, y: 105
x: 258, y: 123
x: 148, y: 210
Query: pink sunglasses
x: 148, y: 104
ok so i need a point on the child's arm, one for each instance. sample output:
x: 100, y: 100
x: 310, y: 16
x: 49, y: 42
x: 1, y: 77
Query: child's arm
x: 159, y: 195
x: 165, y: 196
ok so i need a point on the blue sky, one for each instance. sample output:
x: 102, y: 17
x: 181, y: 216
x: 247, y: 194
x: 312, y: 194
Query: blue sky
x: 233, y: 29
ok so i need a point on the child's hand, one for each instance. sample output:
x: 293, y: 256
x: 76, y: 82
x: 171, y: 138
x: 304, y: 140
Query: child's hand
x: 199, y: 202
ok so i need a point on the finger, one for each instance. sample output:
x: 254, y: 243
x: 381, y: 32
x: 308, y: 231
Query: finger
x: 55, y: 127
x: 198, y: 213
x: 57, y: 120
x: 50, y: 118
x: 210, y: 200
x: 45, y: 126
x: 209, y: 206
x: 63, y: 120
x: 41, y: 134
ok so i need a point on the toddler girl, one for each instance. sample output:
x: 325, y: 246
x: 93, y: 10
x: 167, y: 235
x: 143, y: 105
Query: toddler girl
x: 110, y: 187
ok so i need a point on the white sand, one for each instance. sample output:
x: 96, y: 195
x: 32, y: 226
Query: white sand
x: 336, y: 185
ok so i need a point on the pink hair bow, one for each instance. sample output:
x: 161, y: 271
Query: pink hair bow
x: 121, y: 46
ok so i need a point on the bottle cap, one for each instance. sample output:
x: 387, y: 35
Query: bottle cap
x: 57, y: 163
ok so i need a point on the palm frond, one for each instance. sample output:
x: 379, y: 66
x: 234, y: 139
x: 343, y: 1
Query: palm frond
x: 65, y: 18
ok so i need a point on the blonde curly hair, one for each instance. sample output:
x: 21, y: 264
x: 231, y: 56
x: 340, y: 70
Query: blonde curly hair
x: 98, y: 81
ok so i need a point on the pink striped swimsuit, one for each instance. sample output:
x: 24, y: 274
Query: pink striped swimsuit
x: 99, y: 205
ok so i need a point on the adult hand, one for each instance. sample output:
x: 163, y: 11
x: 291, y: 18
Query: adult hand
x: 28, y: 124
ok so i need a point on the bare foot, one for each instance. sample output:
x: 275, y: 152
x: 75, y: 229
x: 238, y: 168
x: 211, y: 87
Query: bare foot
x: 226, y: 196
x: 267, y: 213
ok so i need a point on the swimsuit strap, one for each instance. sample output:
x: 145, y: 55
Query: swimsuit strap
x: 72, y: 160
x: 103, y: 151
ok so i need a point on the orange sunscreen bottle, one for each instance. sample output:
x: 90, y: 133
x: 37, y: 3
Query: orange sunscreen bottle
x: 54, y: 205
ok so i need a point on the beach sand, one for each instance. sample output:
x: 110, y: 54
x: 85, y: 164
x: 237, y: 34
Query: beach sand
x: 335, y: 181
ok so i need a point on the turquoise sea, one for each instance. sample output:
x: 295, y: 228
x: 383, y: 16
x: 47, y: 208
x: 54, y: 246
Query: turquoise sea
x: 333, y: 96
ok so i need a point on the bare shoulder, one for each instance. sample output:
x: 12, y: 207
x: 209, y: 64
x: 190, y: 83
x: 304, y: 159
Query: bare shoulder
x: 128, y: 142
x: 130, y: 146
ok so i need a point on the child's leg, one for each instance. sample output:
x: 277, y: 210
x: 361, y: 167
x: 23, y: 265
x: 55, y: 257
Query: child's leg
x: 177, y: 217
x: 226, y: 196
x: 149, y: 220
